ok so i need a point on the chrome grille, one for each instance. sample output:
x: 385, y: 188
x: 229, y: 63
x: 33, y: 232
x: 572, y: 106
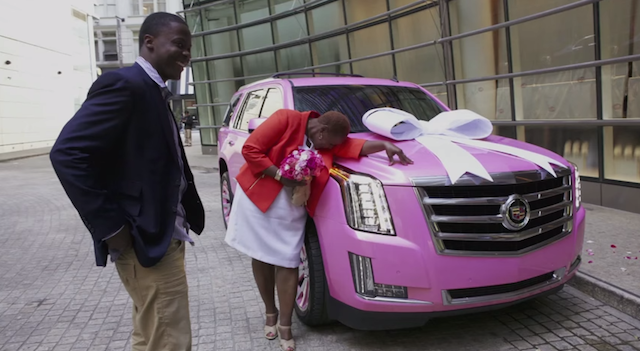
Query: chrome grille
x: 468, y: 218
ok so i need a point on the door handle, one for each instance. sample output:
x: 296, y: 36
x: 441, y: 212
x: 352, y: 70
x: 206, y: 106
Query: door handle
x: 231, y: 142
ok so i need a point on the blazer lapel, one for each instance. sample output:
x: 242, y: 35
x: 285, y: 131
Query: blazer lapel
x: 160, y: 107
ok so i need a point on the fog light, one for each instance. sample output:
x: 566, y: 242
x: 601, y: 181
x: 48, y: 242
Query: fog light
x: 364, y: 283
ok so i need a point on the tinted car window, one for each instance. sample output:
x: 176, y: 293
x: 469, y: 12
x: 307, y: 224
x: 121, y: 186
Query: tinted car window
x: 355, y: 100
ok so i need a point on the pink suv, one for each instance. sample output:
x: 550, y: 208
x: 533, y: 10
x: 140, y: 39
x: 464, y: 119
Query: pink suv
x: 393, y: 246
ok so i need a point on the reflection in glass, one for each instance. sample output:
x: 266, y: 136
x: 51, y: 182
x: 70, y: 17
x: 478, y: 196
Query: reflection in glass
x: 620, y: 36
x: 622, y: 153
x: 572, y: 97
x: 251, y: 10
x: 293, y: 57
x: 358, y: 10
x: 256, y: 37
x: 203, y: 96
x: 354, y: 101
x: 263, y: 63
x: 423, y: 65
x: 491, y: 99
x: 326, y: 18
x: 290, y: 28
x: 381, y: 67
x: 561, y: 39
x: 576, y: 144
x: 331, y: 50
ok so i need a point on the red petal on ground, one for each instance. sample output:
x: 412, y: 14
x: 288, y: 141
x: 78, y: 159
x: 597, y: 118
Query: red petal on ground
x: 613, y: 246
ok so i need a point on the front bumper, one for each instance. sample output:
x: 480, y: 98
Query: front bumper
x: 436, y: 284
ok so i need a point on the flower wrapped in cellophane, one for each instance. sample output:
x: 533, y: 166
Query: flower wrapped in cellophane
x: 301, y: 165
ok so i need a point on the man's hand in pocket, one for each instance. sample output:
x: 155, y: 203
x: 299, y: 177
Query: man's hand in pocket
x: 121, y: 241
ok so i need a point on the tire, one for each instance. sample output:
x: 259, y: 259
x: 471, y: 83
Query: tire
x: 314, y: 312
x: 226, y: 196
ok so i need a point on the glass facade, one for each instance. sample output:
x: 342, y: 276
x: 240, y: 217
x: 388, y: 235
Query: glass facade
x: 562, y: 74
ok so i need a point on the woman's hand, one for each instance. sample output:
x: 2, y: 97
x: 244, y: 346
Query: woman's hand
x: 392, y: 151
x: 292, y: 183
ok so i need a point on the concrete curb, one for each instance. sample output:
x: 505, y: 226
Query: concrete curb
x: 608, y: 293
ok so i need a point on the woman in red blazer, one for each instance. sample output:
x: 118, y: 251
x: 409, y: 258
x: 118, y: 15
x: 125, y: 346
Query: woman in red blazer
x: 264, y: 224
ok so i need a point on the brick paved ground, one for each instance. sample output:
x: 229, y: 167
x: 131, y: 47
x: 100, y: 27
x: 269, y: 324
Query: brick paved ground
x: 52, y: 297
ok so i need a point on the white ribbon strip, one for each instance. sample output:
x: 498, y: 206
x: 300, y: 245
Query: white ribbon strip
x: 442, y: 134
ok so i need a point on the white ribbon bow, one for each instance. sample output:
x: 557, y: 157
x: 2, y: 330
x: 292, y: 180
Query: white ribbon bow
x: 442, y: 136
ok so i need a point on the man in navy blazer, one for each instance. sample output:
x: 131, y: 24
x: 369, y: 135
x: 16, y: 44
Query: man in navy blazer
x: 121, y: 162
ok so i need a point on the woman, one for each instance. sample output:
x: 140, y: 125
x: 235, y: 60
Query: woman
x: 264, y: 224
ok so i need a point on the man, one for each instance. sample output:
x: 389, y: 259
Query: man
x: 188, y: 125
x: 122, y: 164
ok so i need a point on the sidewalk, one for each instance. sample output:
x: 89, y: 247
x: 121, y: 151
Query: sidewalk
x: 610, y: 268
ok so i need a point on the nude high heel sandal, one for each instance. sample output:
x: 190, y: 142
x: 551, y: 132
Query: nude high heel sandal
x: 271, y: 332
x: 286, y: 345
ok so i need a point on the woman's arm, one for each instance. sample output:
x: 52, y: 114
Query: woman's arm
x: 261, y: 140
x: 355, y: 148
x: 373, y: 146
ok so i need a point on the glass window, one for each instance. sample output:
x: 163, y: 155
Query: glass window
x: 272, y: 103
x: 218, y: 16
x: 355, y: 101
x: 369, y: 41
x: 573, y: 96
x: 290, y: 28
x: 330, y: 50
x: 135, y: 7
x: 251, y: 109
x: 147, y: 7
x: 577, y: 144
x: 221, y: 43
x: 257, y: 64
x: 561, y: 39
x: 162, y: 6
x: 358, y: 10
x: 326, y: 18
x: 622, y: 153
x: 423, y: 65
x: 231, y: 109
x: 394, y: 4
x: 254, y: 37
x: 293, y: 57
x: 251, y: 10
x: 619, y: 37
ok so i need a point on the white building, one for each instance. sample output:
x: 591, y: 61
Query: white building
x: 122, y: 19
x: 116, y: 32
x: 45, y: 70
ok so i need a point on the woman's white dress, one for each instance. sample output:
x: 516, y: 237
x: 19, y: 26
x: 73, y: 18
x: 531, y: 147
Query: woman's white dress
x: 276, y: 236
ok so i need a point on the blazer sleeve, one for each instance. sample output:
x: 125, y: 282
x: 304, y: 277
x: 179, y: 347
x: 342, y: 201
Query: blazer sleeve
x: 350, y: 148
x: 263, y: 139
x: 77, y: 153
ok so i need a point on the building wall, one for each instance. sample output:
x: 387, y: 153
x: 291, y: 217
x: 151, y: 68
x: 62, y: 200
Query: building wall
x: 133, y: 12
x: 547, y: 79
x: 44, y: 74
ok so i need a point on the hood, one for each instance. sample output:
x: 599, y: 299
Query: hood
x: 426, y: 164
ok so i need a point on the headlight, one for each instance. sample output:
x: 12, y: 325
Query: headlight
x: 578, y: 195
x: 365, y: 203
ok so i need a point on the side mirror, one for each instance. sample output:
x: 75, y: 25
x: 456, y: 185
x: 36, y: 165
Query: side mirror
x: 255, y: 122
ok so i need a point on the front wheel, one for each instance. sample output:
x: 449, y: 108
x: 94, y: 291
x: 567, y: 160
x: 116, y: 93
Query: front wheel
x: 226, y: 197
x: 310, y: 304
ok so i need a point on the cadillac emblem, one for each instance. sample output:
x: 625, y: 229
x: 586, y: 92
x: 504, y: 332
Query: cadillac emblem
x: 515, y: 213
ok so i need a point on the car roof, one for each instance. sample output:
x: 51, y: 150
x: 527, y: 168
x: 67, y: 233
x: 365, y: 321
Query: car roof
x: 339, y: 80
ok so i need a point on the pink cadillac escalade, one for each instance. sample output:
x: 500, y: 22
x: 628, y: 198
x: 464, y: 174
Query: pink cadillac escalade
x: 393, y: 246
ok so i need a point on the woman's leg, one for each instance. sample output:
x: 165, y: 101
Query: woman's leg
x: 265, y: 276
x: 287, y: 283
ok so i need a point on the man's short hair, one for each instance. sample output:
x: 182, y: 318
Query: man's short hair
x: 155, y: 23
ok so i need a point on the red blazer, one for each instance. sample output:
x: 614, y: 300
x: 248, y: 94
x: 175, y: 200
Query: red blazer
x: 275, y: 139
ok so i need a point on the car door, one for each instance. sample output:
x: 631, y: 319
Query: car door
x: 261, y: 102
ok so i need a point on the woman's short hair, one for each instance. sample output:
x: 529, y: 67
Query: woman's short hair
x: 337, y: 123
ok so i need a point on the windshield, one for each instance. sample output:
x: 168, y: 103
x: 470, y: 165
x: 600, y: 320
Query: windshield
x: 355, y: 100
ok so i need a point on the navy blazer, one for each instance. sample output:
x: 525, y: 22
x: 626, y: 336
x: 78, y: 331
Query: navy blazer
x: 117, y: 161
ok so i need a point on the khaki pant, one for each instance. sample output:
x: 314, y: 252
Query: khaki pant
x: 161, y: 318
x: 187, y: 137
